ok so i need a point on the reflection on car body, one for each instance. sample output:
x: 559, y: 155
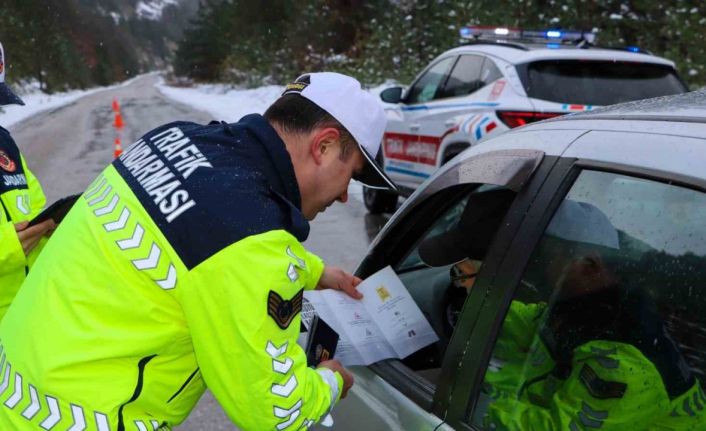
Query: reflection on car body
x: 579, y: 304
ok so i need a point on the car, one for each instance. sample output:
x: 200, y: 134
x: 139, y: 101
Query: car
x: 588, y: 310
x: 500, y: 79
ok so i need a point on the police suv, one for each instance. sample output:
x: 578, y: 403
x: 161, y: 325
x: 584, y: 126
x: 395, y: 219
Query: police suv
x: 500, y: 79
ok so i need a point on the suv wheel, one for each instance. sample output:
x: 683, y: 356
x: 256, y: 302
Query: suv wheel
x: 379, y: 201
x: 453, y: 151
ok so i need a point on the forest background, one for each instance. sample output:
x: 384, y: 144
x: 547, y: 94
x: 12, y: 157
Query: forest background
x: 66, y: 44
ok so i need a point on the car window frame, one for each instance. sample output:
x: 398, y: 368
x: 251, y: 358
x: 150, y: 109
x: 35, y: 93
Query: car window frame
x: 396, y: 246
x: 495, y: 65
x: 482, y: 58
x: 549, y: 197
x: 408, y: 91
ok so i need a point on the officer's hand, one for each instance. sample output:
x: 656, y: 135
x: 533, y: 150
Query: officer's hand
x: 337, y: 279
x: 334, y: 366
x: 30, y: 236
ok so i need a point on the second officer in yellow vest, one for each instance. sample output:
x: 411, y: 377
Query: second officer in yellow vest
x: 21, y: 198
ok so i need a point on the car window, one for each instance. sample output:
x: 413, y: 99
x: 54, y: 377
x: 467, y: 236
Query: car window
x: 490, y: 72
x: 427, y: 86
x: 465, y: 77
x: 607, y: 328
x: 431, y: 273
x: 598, y: 82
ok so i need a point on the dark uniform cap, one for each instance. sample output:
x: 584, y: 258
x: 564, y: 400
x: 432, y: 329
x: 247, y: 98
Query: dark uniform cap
x: 471, y: 237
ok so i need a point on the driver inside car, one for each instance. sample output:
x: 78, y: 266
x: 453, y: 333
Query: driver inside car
x: 596, y: 355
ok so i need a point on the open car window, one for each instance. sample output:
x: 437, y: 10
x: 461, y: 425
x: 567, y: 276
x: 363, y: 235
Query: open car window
x: 606, y: 329
x: 432, y: 271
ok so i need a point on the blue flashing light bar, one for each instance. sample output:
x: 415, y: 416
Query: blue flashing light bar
x: 633, y: 49
x: 504, y: 33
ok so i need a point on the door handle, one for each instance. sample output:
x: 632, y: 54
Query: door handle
x: 414, y: 127
x: 450, y: 123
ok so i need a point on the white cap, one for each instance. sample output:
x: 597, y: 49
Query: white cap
x: 7, y: 97
x: 356, y: 109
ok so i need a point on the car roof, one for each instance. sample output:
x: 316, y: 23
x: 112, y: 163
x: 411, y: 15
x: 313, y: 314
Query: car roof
x: 665, y: 134
x: 518, y: 54
x: 685, y: 108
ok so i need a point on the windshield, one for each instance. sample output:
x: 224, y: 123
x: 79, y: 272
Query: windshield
x: 597, y: 82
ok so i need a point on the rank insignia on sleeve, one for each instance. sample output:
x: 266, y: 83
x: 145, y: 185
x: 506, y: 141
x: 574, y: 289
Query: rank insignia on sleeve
x: 283, y: 311
x: 599, y: 388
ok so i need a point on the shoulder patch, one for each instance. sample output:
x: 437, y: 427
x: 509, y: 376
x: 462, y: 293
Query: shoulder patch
x: 599, y: 388
x: 6, y: 163
x: 283, y: 311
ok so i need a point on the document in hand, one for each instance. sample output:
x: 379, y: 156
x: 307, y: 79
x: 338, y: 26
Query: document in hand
x: 386, y: 323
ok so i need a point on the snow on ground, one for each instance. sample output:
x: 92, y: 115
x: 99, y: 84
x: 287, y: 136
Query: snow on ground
x: 152, y: 9
x: 36, y: 102
x: 226, y: 103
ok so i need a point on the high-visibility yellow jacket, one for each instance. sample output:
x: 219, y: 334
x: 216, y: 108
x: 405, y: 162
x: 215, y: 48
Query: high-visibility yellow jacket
x: 609, y: 385
x: 180, y: 268
x: 21, y: 198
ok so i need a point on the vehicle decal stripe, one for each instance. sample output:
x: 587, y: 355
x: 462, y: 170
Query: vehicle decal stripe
x: 412, y: 148
x: 406, y: 172
x: 448, y: 106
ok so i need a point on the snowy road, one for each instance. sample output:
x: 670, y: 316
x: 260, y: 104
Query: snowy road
x: 68, y: 146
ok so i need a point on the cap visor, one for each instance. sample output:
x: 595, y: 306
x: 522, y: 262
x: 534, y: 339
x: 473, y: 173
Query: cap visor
x: 372, y: 175
x: 7, y: 97
x: 443, y: 249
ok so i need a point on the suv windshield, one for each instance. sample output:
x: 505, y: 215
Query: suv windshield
x: 597, y: 82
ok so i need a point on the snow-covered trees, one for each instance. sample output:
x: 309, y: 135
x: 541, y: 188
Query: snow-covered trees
x: 378, y: 39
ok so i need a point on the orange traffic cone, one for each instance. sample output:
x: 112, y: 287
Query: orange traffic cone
x: 118, y: 148
x: 116, y: 105
x: 118, y: 124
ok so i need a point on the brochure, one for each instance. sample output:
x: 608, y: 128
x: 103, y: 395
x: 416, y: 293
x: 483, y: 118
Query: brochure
x: 386, y: 323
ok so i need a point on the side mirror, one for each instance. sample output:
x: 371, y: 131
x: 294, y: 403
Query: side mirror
x: 392, y: 95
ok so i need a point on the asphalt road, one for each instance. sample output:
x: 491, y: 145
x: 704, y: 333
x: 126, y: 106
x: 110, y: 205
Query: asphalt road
x: 67, y: 147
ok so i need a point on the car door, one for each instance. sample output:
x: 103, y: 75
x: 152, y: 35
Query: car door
x: 405, y: 161
x: 595, y: 319
x: 401, y: 394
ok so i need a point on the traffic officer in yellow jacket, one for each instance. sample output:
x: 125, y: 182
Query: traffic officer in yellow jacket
x: 182, y: 268
x: 21, y: 198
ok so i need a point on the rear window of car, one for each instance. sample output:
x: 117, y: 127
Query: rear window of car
x: 598, y: 82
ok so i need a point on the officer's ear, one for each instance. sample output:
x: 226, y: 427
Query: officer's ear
x: 324, y: 143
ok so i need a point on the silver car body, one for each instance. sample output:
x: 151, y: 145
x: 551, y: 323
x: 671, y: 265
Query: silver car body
x: 665, y: 137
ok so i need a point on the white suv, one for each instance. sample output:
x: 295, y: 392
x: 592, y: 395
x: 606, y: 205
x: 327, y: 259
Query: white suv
x: 501, y: 79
